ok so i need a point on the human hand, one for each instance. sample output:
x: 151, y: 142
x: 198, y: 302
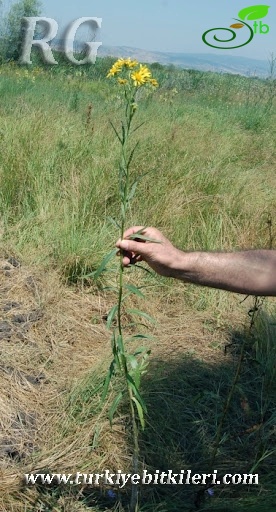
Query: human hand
x: 160, y: 255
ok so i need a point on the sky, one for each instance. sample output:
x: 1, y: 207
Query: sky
x: 165, y: 25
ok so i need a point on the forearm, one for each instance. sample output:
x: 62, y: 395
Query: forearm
x: 250, y: 272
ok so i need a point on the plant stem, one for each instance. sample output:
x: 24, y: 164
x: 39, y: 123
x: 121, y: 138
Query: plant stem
x: 123, y: 186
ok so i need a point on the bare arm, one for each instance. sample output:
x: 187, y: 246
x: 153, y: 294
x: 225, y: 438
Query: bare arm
x: 250, y: 272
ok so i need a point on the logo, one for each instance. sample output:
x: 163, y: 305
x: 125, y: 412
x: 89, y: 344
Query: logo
x: 252, y: 13
x: 50, y: 32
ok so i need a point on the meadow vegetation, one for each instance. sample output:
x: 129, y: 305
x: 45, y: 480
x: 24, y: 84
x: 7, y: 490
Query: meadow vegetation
x: 207, y: 156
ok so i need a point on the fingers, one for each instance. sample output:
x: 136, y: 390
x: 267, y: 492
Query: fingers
x: 130, y: 246
x: 129, y: 258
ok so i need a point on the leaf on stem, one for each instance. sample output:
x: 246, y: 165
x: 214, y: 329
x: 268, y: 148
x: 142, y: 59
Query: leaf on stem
x: 142, y: 350
x: 145, y: 269
x: 136, y: 392
x: 137, y: 127
x: 114, y: 222
x: 132, y: 361
x: 131, y: 154
x: 142, y: 336
x: 107, y: 381
x: 111, y: 316
x: 145, y: 238
x: 103, y: 264
x: 132, y: 191
x: 120, y: 345
x: 116, y: 132
x: 140, y: 412
x: 124, y: 133
x: 114, y: 406
x: 142, y: 314
x: 135, y: 290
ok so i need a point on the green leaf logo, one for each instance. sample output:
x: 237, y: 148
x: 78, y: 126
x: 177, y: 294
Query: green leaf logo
x: 254, y: 12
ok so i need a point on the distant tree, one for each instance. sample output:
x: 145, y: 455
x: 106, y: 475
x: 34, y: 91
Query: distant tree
x: 12, y: 29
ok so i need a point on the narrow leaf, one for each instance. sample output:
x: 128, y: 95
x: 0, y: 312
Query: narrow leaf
x: 103, y: 264
x: 135, y: 290
x: 132, y: 154
x: 123, y: 132
x: 120, y: 139
x: 132, y: 191
x: 143, y: 336
x: 142, y: 350
x: 114, y: 406
x: 145, y: 269
x: 254, y: 12
x: 109, y: 289
x: 114, y: 222
x: 142, y: 314
x: 132, y: 361
x: 111, y: 315
x: 137, y: 127
x: 119, y: 342
x: 107, y: 381
x: 140, y: 412
x: 145, y: 238
x: 136, y: 391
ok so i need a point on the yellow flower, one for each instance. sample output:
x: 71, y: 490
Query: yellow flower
x: 122, y: 81
x: 141, y: 76
x: 130, y: 63
x: 153, y: 82
x: 120, y: 64
x: 116, y: 68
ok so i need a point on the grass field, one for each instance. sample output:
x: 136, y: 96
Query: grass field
x: 207, y: 150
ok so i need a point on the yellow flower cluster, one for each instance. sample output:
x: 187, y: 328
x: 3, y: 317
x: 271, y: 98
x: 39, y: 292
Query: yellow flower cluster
x: 137, y: 77
x: 120, y: 64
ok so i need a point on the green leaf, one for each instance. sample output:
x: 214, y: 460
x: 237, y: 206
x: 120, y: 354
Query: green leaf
x: 103, y: 264
x: 136, y: 392
x: 131, y: 154
x: 124, y: 133
x: 114, y: 406
x: 107, y: 381
x: 142, y: 336
x: 143, y: 237
x: 142, y: 350
x: 116, y: 132
x: 120, y: 344
x: 132, y: 191
x: 132, y: 361
x: 139, y: 235
x: 109, y: 289
x: 140, y: 412
x: 142, y: 314
x: 137, y: 127
x: 254, y: 12
x: 145, y: 269
x: 114, y: 222
x: 135, y: 290
x: 111, y: 316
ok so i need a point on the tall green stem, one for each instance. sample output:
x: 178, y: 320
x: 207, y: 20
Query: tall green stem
x: 124, y: 186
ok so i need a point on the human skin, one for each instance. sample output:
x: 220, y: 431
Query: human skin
x: 251, y: 272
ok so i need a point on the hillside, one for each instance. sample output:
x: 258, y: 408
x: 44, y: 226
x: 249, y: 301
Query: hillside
x: 222, y: 63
